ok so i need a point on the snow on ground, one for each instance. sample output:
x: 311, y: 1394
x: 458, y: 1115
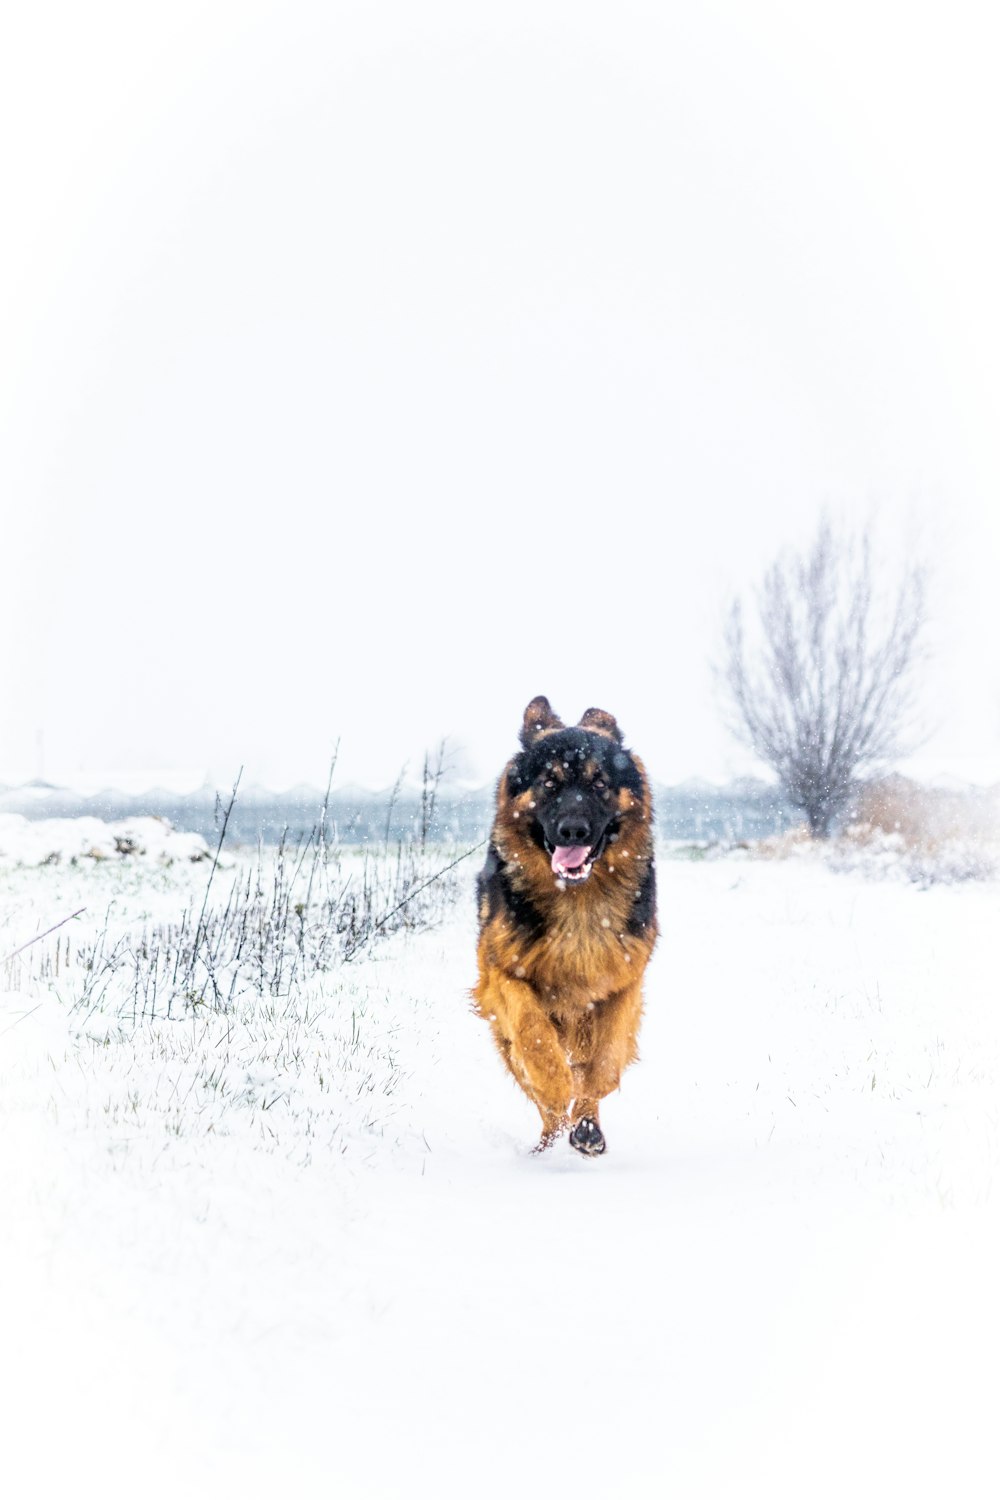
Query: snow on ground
x: 27, y: 841
x: 330, y: 1266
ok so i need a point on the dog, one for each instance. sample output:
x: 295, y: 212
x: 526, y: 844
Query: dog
x: 567, y: 918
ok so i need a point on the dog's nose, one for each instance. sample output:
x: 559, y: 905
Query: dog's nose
x: 574, y: 830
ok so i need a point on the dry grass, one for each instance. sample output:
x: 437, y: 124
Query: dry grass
x: 241, y: 1006
x: 782, y: 845
x: 925, y: 816
x: 937, y: 835
x: 927, y: 834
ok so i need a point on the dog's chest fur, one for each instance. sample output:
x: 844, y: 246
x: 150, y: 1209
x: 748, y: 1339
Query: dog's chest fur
x: 585, y: 951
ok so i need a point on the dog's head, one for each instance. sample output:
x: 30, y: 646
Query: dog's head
x: 571, y: 788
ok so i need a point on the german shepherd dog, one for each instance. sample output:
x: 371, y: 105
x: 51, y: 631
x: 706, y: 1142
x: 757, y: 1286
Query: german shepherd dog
x: 567, y: 917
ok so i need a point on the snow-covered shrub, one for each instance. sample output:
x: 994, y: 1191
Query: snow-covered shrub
x: 229, y: 998
x: 900, y: 829
x: 267, y: 927
x: 932, y: 834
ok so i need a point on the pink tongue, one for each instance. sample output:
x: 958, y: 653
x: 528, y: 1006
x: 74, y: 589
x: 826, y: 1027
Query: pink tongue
x: 569, y: 857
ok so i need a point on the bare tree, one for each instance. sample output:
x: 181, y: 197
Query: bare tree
x: 821, y: 687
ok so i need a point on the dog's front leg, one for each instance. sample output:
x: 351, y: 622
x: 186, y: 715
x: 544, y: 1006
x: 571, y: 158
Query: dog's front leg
x: 605, y: 1051
x: 536, y: 1058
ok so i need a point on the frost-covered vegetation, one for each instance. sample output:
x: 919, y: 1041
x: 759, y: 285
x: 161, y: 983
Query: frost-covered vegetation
x: 218, y: 992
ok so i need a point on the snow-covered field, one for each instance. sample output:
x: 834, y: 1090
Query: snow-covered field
x: 303, y: 1249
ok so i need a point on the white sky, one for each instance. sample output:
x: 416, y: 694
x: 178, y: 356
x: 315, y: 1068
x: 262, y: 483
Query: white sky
x: 367, y: 369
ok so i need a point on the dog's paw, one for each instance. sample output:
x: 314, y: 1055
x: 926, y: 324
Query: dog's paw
x: 553, y: 1127
x: 546, y: 1139
x: 587, y: 1137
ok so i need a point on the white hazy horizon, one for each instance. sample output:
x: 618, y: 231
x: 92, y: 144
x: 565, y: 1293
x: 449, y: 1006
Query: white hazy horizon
x: 368, y: 370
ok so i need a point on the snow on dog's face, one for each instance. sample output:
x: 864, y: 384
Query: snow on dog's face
x: 573, y: 785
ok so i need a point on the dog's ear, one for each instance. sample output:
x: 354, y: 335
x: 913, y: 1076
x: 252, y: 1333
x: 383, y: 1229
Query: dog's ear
x: 514, y: 777
x: 538, y: 717
x: 596, y: 718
